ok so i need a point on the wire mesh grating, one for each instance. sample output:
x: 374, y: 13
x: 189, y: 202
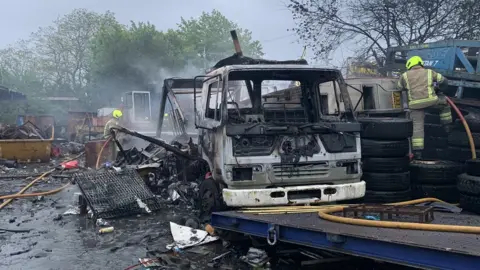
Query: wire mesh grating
x: 114, y: 194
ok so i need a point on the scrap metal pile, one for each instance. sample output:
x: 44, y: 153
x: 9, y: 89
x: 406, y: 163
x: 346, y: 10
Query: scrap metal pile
x: 159, y: 171
x: 26, y: 131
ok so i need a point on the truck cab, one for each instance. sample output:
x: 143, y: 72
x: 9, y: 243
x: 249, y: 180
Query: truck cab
x: 268, y: 141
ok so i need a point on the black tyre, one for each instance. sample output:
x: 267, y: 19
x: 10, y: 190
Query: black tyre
x: 468, y: 184
x: 435, y: 142
x: 434, y: 154
x: 447, y: 193
x: 435, y: 130
x: 472, y: 167
x: 209, y: 199
x: 386, y: 128
x: 373, y: 148
x: 473, y: 121
x: 460, y: 154
x: 460, y: 138
x: 386, y: 165
x: 470, y: 203
x: 435, y: 172
x: 387, y: 197
x: 432, y: 118
x: 387, y: 181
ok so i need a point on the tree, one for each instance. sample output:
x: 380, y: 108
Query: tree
x: 64, y: 49
x: 19, y: 70
x: 375, y: 25
x: 131, y: 58
x: 207, y: 39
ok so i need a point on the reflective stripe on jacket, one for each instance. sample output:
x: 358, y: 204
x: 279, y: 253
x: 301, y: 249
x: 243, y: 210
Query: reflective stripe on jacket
x: 419, y: 83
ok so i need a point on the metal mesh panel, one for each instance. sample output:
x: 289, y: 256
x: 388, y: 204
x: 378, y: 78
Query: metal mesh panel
x: 111, y: 194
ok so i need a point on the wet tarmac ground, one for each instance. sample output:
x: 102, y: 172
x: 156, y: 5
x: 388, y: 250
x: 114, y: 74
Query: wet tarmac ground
x: 58, y: 241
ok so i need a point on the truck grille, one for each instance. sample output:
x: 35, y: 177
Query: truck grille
x: 253, y: 145
x: 302, y: 171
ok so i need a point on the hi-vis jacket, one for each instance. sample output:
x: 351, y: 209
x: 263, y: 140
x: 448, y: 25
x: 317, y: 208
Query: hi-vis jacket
x: 110, y: 124
x: 419, y: 83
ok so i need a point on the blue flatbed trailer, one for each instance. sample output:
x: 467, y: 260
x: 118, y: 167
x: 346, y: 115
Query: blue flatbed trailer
x: 421, y: 249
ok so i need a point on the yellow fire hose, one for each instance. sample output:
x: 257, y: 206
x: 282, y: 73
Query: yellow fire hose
x: 465, y: 125
x: 327, y: 213
x: 5, y: 203
x: 45, y: 193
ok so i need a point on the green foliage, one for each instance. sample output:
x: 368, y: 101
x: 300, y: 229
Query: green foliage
x: 207, y: 39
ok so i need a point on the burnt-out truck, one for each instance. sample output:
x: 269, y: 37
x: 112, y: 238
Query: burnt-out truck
x: 265, y: 136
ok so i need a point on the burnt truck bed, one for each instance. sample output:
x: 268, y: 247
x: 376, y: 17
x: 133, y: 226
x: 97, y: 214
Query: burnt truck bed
x: 423, y: 249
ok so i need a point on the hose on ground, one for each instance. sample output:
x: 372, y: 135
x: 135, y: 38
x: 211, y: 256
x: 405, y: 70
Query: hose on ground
x: 97, y: 165
x: 45, y: 193
x: 327, y: 215
x: 465, y: 125
x: 5, y: 203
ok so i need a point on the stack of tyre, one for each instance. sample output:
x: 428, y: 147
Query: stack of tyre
x: 468, y: 185
x: 458, y: 143
x: 435, y: 137
x: 385, y: 158
x: 435, y: 178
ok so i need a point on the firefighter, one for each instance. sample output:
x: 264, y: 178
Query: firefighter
x: 422, y: 85
x: 114, y: 122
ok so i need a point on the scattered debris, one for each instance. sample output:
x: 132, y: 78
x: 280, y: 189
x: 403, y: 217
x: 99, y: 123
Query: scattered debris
x: 185, y: 237
x: 255, y: 257
x: 114, y: 194
x: 105, y: 230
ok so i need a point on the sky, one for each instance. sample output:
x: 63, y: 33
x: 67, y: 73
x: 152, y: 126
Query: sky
x: 269, y: 20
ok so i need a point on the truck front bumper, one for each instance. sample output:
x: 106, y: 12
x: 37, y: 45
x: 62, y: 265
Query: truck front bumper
x: 293, y: 195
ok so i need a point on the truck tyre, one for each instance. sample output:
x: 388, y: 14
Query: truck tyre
x: 472, y: 167
x: 436, y: 172
x: 470, y: 203
x: 386, y: 128
x: 436, y: 129
x: 435, y: 154
x: 432, y: 142
x: 386, y: 165
x: 447, y: 193
x: 460, y: 154
x: 209, y: 199
x: 387, y: 181
x: 373, y: 148
x: 473, y: 121
x: 432, y: 118
x: 469, y: 184
x: 459, y: 138
x: 387, y: 196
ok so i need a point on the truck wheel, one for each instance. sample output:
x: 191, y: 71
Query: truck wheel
x: 459, y: 138
x: 387, y: 196
x: 469, y: 184
x: 209, y: 199
x: 470, y: 203
x: 387, y: 181
x: 436, y: 172
x: 373, y: 148
x: 473, y: 167
x: 447, y: 193
x: 386, y: 165
x: 386, y: 128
